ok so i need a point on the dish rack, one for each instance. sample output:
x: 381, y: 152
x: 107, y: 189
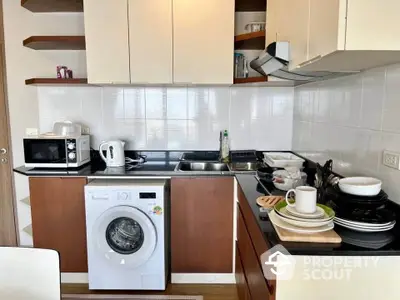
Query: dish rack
x: 282, y: 160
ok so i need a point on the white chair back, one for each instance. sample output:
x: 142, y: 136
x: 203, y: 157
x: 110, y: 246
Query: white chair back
x: 29, y: 274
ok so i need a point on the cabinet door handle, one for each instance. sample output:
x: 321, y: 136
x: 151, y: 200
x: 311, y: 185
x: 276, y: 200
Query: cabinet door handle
x: 3, y: 151
x: 309, y: 61
x: 4, y: 160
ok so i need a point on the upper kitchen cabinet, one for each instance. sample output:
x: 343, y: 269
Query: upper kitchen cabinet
x: 150, y: 36
x: 342, y: 35
x: 297, y: 35
x: 203, y: 41
x: 324, y: 28
x: 107, y: 43
x: 278, y: 25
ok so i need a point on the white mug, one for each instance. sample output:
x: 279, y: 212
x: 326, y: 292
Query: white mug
x: 305, y: 199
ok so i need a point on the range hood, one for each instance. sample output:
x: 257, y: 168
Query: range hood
x: 274, y: 61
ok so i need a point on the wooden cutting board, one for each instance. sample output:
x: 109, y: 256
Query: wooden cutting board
x: 321, y: 237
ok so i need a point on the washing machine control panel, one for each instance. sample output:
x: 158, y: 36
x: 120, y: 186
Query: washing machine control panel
x: 147, y: 196
x: 124, y: 196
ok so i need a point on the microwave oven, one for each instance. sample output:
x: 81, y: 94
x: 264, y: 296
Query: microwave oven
x: 56, y: 152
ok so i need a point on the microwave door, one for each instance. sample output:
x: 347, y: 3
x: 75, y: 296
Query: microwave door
x: 44, y: 152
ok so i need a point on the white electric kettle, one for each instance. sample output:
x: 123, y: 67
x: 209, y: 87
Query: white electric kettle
x: 115, y: 153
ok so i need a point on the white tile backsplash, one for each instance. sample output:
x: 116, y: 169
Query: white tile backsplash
x: 175, y: 118
x: 351, y: 120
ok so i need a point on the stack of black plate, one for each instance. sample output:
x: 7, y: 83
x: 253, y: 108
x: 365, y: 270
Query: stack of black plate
x: 360, y: 213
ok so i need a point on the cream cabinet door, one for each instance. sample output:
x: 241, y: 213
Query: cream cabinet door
x: 203, y: 41
x: 107, y: 47
x: 373, y: 25
x: 150, y: 41
x: 324, y: 27
x: 272, y: 21
x: 276, y: 21
x: 296, y: 30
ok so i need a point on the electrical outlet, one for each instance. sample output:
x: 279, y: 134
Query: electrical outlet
x: 391, y: 159
x: 31, y: 131
x: 85, y: 130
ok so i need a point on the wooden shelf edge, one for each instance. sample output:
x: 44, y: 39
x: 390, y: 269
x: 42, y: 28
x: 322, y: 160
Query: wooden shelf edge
x: 250, y: 5
x: 249, y: 36
x: 250, y: 80
x: 48, y: 6
x: 51, y: 42
x: 56, y: 81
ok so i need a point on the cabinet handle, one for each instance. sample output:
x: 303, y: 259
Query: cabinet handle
x: 3, y: 151
x: 309, y: 61
x: 4, y: 160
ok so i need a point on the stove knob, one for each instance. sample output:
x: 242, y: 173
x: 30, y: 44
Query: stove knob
x: 71, y: 155
x: 71, y: 146
x: 123, y: 196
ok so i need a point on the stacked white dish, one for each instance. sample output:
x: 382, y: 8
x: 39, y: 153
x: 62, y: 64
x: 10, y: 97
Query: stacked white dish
x: 363, y: 226
x: 288, y: 218
x: 360, y: 205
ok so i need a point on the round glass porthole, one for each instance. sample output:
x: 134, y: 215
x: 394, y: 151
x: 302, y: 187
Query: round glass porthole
x: 124, y: 235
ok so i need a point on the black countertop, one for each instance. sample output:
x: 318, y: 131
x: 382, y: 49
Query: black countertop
x: 149, y: 169
x: 252, y: 190
x: 158, y: 163
x: 162, y: 164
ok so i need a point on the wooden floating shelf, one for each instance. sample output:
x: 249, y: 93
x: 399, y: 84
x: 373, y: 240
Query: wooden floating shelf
x: 250, y: 80
x: 55, y: 42
x: 40, y: 6
x: 251, y: 41
x: 251, y: 5
x: 56, y: 81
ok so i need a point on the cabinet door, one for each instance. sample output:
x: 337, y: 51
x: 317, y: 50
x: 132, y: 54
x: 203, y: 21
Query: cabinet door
x: 295, y: 29
x: 58, y: 219
x: 202, y: 225
x: 324, y: 26
x: 203, y: 41
x: 373, y: 25
x: 241, y: 282
x: 276, y: 13
x: 150, y: 41
x: 107, y: 47
x: 251, y: 263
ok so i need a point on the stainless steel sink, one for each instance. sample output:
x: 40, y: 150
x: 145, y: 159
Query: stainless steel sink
x: 245, y: 166
x: 200, y: 156
x: 186, y: 166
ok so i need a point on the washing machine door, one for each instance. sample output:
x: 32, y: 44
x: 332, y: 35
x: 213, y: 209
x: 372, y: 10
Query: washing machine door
x: 125, y: 236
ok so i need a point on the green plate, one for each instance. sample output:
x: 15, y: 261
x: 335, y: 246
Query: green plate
x: 329, y: 212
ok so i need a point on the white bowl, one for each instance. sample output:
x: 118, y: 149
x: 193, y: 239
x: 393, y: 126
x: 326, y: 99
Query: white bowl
x: 360, y: 186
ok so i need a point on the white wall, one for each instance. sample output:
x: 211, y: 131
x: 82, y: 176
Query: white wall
x: 352, y: 120
x: 175, y: 118
x: 23, y: 63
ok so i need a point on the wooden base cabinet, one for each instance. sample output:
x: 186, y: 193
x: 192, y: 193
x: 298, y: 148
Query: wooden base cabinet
x: 202, y: 225
x: 241, y: 282
x: 250, y: 245
x: 58, y: 219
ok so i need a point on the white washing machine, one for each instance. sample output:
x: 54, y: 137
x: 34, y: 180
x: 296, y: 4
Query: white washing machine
x: 127, y: 234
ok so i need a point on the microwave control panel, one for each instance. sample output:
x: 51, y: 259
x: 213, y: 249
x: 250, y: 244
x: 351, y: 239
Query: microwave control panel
x: 71, y: 150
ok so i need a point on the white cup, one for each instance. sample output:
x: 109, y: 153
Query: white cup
x: 305, y: 199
